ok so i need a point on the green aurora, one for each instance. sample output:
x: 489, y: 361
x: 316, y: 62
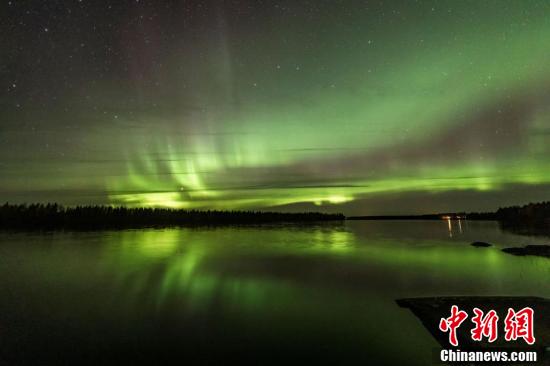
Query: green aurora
x: 356, y: 107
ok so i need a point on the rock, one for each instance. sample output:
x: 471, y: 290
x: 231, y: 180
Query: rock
x: 480, y: 244
x: 538, y: 250
x: 515, y: 251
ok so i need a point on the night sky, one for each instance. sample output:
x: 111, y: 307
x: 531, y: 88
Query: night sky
x: 360, y: 107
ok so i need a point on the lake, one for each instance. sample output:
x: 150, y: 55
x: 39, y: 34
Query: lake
x: 270, y: 294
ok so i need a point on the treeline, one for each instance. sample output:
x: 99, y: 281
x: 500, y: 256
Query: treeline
x: 481, y: 216
x: 532, y: 213
x: 396, y: 217
x: 530, y: 219
x: 54, y: 216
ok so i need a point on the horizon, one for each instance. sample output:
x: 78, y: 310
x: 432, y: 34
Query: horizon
x: 259, y: 211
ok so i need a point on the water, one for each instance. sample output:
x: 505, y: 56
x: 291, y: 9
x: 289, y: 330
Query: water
x: 272, y: 294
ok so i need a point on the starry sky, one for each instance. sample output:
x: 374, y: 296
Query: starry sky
x: 360, y: 107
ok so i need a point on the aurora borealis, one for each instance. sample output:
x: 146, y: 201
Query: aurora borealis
x: 360, y: 107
